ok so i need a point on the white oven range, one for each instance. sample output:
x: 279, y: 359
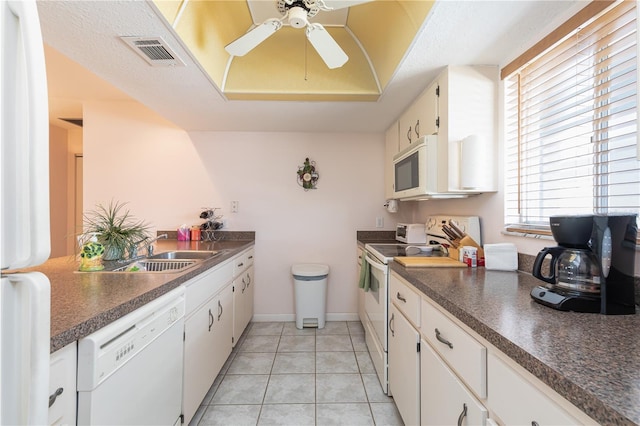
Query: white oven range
x: 377, y: 257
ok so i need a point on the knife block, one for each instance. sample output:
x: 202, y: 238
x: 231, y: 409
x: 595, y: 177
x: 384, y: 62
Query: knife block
x: 454, y: 253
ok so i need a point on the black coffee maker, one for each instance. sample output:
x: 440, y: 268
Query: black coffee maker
x: 592, y: 268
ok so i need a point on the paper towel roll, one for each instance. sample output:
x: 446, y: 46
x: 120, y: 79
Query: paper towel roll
x: 474, y: 163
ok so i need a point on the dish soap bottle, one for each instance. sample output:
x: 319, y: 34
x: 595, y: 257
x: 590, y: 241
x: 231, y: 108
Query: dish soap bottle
x: 91, y: 255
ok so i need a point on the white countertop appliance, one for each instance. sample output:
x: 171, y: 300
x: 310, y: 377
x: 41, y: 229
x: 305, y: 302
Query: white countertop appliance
x: 24, y: 217
x: 414, y: 240
x: 411, y: 233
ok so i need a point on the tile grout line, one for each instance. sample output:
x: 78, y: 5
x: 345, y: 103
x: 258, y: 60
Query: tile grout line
x: 248, y: 333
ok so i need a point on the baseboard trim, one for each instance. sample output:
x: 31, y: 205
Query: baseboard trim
x: 292, y: 317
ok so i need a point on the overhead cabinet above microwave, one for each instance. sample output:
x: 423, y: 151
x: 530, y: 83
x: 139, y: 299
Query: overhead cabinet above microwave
x: 460, y: 106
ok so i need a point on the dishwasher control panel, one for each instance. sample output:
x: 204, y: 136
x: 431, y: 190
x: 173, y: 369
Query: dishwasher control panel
x: 104, y: 351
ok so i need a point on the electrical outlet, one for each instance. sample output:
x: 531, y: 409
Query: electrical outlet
x: 234, y: 206
x: 379, y: 222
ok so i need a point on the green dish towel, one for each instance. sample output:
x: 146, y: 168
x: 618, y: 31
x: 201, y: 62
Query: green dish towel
x: 365, y: 275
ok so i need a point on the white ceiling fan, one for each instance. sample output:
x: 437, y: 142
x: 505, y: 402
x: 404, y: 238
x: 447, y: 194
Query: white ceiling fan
x: 297, y: 14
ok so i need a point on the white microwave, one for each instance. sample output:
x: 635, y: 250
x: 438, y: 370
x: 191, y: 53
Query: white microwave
x: 415, y: 169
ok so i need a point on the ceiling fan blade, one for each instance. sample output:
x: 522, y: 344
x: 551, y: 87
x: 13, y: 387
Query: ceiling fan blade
x: 338, y: 4
x: 330, y: 52
x: 254, y: 37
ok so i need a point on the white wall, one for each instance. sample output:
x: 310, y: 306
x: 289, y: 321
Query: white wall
x: 293, y: 225
x: 132, y: 155
x: 167, y: 175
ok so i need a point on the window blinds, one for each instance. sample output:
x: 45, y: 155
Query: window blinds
x: 571, y: 125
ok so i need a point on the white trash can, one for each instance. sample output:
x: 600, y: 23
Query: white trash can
x: 310, y: 281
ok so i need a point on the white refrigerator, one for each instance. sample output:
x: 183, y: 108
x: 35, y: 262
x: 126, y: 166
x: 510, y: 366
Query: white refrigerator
x: 24, y: 217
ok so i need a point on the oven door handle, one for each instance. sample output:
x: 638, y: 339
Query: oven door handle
x: 377, y: 265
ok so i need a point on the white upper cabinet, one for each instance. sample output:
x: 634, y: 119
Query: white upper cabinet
x: 420, y: 118
x: 461, y: 107
x: 468, y: 110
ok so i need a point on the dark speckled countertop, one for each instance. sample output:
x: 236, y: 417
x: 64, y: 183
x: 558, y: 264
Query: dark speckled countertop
x: 592, y: 360
x: 83, y: 302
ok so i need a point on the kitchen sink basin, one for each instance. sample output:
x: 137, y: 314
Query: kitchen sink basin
x: 166, y: 262
x: 157, y: 265
x: 186, y: 255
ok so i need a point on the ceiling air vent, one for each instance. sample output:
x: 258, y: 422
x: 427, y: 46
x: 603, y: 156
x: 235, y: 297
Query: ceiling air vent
x: 154, y: 50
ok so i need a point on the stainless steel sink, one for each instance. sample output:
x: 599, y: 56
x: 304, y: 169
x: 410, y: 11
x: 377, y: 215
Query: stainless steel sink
x: 186, y: 255
x: 168, y: 262
x: 156, y: 265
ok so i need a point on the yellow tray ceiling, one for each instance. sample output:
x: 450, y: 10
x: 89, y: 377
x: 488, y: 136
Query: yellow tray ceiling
x: 285, y: 66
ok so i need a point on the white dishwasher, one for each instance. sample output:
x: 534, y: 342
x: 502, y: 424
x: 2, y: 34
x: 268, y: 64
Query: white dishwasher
x: 130, y: 371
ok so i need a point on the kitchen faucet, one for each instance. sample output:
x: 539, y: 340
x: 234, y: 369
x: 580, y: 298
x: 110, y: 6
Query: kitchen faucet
x: 149, y: 244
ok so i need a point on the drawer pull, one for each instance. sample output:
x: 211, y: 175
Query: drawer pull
x: 54, y: 396
x: 393, y: 333
x: 442, y: 339
x: 240, y: 265
x: 401, y: 298
x: 462, y: 415
x: 210, y: 319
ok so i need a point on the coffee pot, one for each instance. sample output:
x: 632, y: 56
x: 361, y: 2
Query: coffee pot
x: 592, y: 267
x: 573, y: 270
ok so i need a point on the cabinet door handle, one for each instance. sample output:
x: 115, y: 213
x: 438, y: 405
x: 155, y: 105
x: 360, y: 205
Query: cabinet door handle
x: 210, y: 319
x: 442, y: 339
x: 244, y: 284
x: 248, y: 279
x: 462, y: 415
x: 401, y: 298
x: 534, y: 423
x: 54, y: 396
x: 393, y: 333
x: 220, y: 310
x: 417, y: 129
x: 409, y: 134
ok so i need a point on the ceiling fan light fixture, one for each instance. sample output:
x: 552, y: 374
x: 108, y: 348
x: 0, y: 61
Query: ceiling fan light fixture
x: 298, y: 17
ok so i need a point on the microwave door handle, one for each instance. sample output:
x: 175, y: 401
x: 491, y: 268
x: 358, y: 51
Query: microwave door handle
x: 377, y: 265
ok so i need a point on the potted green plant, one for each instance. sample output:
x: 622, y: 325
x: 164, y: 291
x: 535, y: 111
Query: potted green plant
x: 117, y: 230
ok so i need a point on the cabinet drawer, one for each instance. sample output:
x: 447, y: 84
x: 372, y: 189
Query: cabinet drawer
x: 444, y: 399
x: 515, y: 400
x: 242, y: 261
x: 407, y: 301
x: 205, y: 285
x: 466, y: 356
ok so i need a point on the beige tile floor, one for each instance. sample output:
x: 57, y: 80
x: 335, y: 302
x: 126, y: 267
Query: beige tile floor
x: 279, y: 375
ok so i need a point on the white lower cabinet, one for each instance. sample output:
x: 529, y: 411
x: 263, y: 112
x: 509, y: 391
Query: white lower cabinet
x: 460, y: 378
x: 444, y: 399
x: 208, y: 331
x: 466, y: 356
x: 515, y: 400
x: 207, y: 345
x: 243, y: 290
x: 62, y: 385
x: 242, y: 302
x: 404, y: 366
